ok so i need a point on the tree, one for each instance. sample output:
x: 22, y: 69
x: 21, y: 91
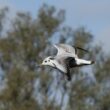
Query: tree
x: 20, y: 50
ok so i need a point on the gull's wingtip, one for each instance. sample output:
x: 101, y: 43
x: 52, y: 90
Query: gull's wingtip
x: 55, y: 45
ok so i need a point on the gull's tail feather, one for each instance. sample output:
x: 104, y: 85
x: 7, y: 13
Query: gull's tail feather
x: 81, y: 62
x: 92, y: 62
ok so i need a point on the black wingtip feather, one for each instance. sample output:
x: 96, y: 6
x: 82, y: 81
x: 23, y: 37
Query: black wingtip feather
x: 81, y: 49
x: 68, y: 77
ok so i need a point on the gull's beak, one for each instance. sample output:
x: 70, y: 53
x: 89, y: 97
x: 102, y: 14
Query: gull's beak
x: 39, y: 65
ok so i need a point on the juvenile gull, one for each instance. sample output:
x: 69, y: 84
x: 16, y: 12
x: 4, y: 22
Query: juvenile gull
x: 65, y: 59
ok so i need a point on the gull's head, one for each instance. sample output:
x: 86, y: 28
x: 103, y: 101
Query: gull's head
x: 50, y: 61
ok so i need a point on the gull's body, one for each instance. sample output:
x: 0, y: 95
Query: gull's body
x: 66, y: 59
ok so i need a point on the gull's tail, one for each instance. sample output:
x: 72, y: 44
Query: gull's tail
x: 92, y: 62
x: 82, y: 62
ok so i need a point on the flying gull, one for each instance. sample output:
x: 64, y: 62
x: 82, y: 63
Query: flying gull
x: 65, y: 59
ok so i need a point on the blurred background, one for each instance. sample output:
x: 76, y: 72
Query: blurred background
x: 28, y: 29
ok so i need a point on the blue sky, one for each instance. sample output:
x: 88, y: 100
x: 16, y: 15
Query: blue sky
x: 93, y: 14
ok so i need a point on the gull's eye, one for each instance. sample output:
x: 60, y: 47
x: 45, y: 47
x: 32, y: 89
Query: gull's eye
x: 45, y: 61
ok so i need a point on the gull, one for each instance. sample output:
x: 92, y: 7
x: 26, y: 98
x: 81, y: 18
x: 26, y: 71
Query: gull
x: 65, y: 59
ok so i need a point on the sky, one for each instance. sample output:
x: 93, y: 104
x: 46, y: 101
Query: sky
x: 93, y: 14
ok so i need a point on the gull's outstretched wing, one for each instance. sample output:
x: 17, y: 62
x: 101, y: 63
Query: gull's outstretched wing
x: 66, y: 49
